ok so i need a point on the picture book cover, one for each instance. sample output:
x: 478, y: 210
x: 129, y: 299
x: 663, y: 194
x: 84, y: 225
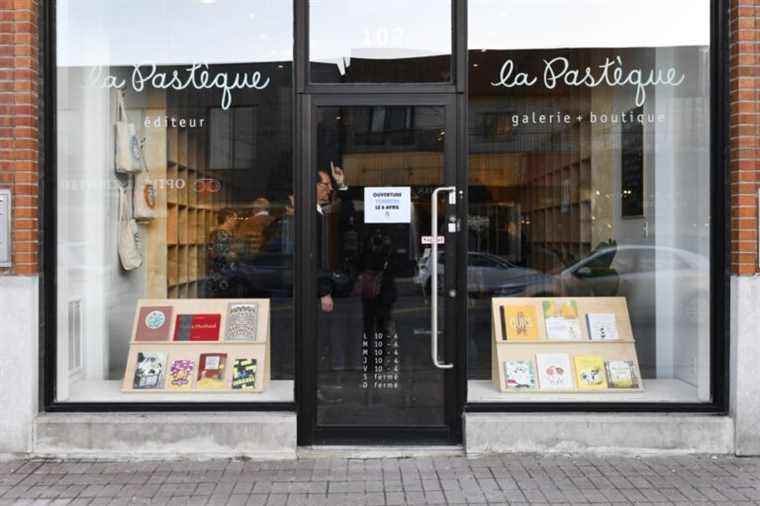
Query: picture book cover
x: 153, y: 323
x: 181, y: 372
x: 621, y: 374
x: 197, y: 327
x: 554, y: 371
x: 244, y: 374
x: 242, y: 322
x: 589, y: 372
x: 561, y: 319
x: 521, y: 322
x: 149, y: 370
x: 602, y: 326
x: 211, y: 369
x: 519, y: 375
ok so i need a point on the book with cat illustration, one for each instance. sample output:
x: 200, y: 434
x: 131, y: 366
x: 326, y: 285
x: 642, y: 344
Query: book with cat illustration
x: 519, y: 375
x: 589, y: 372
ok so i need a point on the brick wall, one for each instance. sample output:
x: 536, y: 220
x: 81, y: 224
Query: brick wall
x: 19, y: 127
x: 745, y: 134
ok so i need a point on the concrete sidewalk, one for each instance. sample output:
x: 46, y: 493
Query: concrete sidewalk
x: 498, y: 479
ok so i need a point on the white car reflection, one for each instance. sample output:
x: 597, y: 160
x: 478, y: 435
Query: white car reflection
x: 641, y: 274
x: 490, y: 275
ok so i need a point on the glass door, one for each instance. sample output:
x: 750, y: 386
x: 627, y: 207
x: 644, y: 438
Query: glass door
x: 382, y: 230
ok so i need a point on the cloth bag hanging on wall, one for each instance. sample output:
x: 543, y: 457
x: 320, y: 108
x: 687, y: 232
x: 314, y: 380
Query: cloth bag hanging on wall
x: 144, y: 194
x: 128, y: 150
x: 129, y: 250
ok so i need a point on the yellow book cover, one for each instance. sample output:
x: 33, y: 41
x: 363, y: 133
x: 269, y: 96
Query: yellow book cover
x: 519, y: 323
x: 589, y: 372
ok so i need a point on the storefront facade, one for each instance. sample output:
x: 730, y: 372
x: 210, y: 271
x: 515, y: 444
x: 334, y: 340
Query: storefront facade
x: 419, y: 228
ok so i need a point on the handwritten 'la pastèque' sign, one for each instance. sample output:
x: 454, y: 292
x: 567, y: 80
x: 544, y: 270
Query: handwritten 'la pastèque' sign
x: 610, y: 73
x: 197, y: 76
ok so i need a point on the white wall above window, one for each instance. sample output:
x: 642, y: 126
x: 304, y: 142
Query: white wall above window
x: 170, y: 32
x: 547, y: 24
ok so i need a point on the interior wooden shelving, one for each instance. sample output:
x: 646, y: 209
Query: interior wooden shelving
x: 191, y: 214
x: 558, y: 195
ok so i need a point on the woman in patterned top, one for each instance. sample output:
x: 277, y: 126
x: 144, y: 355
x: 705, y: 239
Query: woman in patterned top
x: 222, y: 255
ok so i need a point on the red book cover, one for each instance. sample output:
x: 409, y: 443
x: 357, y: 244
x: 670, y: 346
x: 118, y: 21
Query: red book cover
x: 153, y: 323
x: 197, y: 327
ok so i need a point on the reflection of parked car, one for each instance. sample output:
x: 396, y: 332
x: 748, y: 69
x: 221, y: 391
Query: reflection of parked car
x: 490, y: 275
x: 267, y: 275
x: 635, y: 271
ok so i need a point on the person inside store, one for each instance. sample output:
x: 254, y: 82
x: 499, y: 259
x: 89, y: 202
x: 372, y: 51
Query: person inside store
x: 376, y: 283
x: 253, y: 230
x: 357, y: 263
x: 222, y: 255
x: 267, y: 265
x: 280, y: 233
x: 336, y: 237
x: 336, y: 251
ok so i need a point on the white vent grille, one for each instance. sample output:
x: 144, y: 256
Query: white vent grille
x: 75, y: 336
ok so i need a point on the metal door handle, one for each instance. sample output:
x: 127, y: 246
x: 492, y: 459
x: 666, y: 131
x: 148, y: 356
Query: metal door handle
x: 434, y: 272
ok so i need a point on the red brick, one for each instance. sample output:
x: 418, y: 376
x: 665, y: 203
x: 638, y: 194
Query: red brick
x: 25, y: 225
x: 25, y: 212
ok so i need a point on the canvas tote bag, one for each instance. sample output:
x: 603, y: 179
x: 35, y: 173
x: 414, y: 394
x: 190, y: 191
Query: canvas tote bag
x: 144, y: 194
x: 128, y: 150
x: 129, y: 251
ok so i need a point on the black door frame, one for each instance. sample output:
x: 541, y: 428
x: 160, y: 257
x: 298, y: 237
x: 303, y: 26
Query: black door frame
x: 309, y: 432
x: 308, y: 95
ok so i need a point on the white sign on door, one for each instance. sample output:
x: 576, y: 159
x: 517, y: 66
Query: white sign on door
x: 388, y: 204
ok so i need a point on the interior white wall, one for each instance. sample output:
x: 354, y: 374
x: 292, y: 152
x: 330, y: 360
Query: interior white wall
x: 665, y: 222
x: 125, y: 288
x: 675, y: 218
x: 88, y: 263
x: 606, y: 159
x: 681, y: 205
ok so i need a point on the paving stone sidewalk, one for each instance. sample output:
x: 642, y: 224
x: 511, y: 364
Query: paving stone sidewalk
x: 496, y: 479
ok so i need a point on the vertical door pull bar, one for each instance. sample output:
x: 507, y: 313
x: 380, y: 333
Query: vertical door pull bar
x: 434, y: 271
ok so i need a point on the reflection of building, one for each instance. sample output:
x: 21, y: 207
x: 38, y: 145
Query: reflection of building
x: 388, y: 146
x: 229, y: 163
x: 565, y: 177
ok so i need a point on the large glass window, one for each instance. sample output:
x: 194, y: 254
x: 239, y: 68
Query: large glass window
x: 175, y: 211
x: 589, y: 184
